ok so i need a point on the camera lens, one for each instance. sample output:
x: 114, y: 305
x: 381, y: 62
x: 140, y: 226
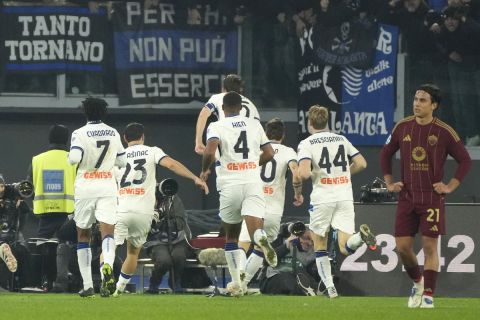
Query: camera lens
x: 297, y: 228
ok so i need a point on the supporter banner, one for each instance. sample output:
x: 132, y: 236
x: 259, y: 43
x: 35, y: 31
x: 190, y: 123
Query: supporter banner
x: 160, y: 58
x: 348, y: 44
x: 361, y: 102
x: 52, y: 39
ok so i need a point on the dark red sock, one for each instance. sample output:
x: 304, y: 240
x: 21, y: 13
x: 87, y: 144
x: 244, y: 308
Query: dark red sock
x: 414, y: 273
x: 429, y: 281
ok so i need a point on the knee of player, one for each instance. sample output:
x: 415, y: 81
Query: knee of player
x: 430, y: 251
x: 404, y: 250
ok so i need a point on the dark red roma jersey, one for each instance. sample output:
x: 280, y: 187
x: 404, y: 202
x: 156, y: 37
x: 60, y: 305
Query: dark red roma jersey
x: 423, y: 152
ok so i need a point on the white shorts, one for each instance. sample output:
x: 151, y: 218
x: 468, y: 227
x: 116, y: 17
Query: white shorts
x: 271, y: 225
x: 340, y: 215
x: 241, y: 200
x: 102, y: 209
x: 133, y: 227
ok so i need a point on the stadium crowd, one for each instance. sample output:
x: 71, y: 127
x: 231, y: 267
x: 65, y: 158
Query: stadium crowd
x: 440, y: 40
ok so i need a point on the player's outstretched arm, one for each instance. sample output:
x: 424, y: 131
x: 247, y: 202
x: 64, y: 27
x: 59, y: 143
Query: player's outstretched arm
x: 305, y: 169
x: 179, y: 169
x: 208, y: 157
x: 201, y: 123
x: 296, y: 183
x: 358, y: 164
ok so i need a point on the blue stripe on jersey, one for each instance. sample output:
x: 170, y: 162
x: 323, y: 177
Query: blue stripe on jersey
x: 120, y: 154
x: 291, y: 161
x: 355, y: 154
x: 211, y: 106
x: 230, y: 246
x: 258, y: 253
x: 217, y: 163
x: 83, y: 245
x: 213, y: 138
x: 264, y: 144
x: 320, y: 253
x: 305, y: 158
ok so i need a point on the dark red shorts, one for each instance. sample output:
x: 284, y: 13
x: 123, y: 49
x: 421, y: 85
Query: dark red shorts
x: 429, y: 219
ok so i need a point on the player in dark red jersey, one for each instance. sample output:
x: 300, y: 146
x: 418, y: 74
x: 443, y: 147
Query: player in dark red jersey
x: 424, y: 142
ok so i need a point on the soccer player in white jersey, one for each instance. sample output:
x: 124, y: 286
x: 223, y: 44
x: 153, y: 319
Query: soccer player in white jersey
x: 274, y: 177
x: 243, y: 147
x: 231, y: 82
x: 96, y: 148
x: 136, y: 199
x: 331, y: 200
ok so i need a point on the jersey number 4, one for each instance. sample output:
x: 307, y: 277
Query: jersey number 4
x: 340, y: 159
x: 242, y: 146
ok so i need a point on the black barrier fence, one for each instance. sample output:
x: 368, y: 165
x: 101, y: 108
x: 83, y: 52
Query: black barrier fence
x: 380, y: 272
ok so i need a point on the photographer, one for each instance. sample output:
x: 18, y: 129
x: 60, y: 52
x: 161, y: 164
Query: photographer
x: 167, y: 245
x: 295, y: 273
x: 13, y: 211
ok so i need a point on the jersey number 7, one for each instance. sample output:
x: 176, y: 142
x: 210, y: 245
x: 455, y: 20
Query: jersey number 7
x: 105, y: 144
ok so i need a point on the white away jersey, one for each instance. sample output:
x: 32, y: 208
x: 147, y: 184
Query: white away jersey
x: 330, y: 154
x: 248, y: 108
x: 274, y: 177
x: 137, y: 181
x: 100, y: 145
x: 240, y: 140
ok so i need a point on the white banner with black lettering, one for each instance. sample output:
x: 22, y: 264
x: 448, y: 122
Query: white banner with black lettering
x: 46, y: 39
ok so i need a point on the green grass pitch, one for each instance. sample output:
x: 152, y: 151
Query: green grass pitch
x: 138, y: 307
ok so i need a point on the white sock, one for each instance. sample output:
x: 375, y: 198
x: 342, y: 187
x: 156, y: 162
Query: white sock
x: 123, y: 280
x: 254, y: 263
x: 354, y: 242
x: 101, y: 273
x: 84, y: 257
x: 108, y: 250
x: 236, y: 260
x: 324, y: 268
x: 257, y: 235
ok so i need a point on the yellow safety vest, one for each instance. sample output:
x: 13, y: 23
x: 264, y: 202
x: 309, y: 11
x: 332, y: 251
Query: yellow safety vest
x: 53, y: 180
